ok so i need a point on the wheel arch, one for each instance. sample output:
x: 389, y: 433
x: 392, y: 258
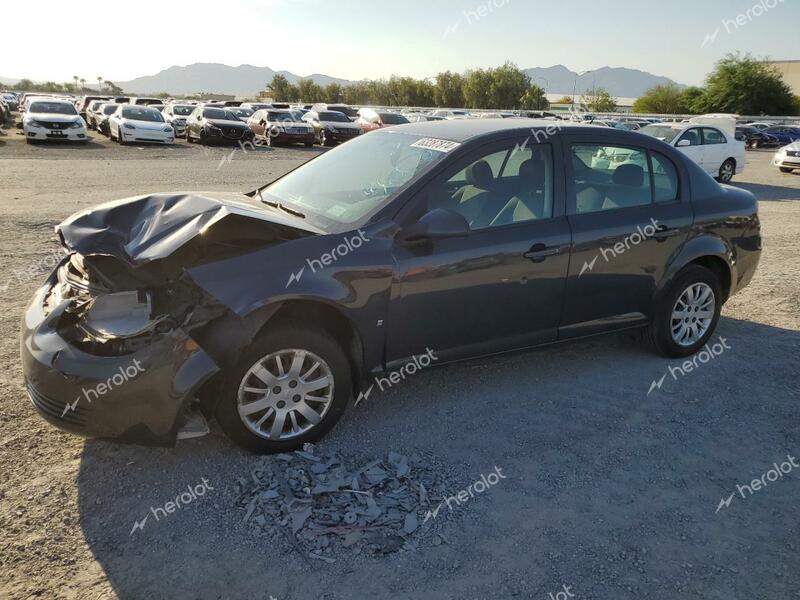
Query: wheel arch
x: 709, y: 251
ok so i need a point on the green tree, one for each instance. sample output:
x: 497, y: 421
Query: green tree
x: 692, y: 98
x: 308, y: 91
x: 279, y: 88
x: 508, y: 86
x: 661, y: 99
x: 477, y: 89
x: 113, y: 88
x: 598, y: 100
x: 449, y: 90
x: 24, y: 84
x: 744, y: 85
x: 333, y: 93
x: 564, y: 100
x: 535, y: 99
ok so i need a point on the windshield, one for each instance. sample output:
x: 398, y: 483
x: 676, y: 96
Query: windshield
x: 60, y: 108
x: 142, y: 114
x: 343, y: 186
x: 220, y: 114
x: 661, y: 132
x: 182, y: 111
x: 393, y: 119
x: 242, y: 112
x: 345, y: 110
x: 336, y: 117
x: 281, y: 116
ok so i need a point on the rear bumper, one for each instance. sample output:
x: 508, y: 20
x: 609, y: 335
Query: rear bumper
x: 134, y: 398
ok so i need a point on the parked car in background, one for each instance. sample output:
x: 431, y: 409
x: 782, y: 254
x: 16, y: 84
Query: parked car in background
x: 94, y: 105
x: 176, y: 114
x: 242, y: 113
x: 144, y: 101
x: 416, y: 117
x: 761, y: 124
x: 139, y: 123
x: 216, y: 125
x: 11, y: 100
x: 450, y: 114
x: 754, y: 137
x: 254, y: 106
x: 102, y: 115
x: 370, y: 119
x: 787, y: 159
x: 331, y: 127
x: 719, y: 154
x: 281, y: 127
x: 53, y: 120
x: 345, y: 109
x: 474, y: 241
x: 5, y: 112
x: 496, y: 115
x: 85, y: 101
x: 783, y: 133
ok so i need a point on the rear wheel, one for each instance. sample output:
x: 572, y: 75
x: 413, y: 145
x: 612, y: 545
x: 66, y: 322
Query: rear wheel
x: 726, y: 171
x: 203, y: 138
x: 290, y: 387
x: 688, y: 313
x: 323, y: 139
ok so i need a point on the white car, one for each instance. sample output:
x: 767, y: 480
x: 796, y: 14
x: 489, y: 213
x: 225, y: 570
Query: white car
x: 787, y: 159
x: 176, y: 114
x: 718, y: 152
x: 131, y: 123
x: 48, y: 119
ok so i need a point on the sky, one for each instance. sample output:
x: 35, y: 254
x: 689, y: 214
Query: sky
x: 357, y: 39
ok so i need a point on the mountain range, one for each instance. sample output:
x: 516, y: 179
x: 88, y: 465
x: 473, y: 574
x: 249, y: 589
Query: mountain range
x: 248, y: 80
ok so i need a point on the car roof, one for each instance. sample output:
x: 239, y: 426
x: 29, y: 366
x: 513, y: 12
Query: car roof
x: 462, y: 130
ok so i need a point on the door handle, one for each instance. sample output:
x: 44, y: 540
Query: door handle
x: 539, y: 252
x: 663, y: 232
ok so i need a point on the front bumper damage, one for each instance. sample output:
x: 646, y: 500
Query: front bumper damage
x: 119, y: 340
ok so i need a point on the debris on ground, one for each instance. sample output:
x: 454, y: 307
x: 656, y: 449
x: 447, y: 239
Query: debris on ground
x: 324, y: 507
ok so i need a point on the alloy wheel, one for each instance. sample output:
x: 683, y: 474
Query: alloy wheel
x: 285, y: 394
x: 692, y: 314
x: 726, y: 171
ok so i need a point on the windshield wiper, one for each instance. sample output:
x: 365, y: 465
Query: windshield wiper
x: 280, y: 206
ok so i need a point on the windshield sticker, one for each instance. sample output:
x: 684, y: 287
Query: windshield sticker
x: 435, y: 144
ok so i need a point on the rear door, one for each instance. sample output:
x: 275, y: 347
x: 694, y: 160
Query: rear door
x: 628, y: 215
x: 715, y: 149
x: 501, y: 286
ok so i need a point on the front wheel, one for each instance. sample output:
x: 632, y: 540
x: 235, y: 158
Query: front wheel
x: 688, y: 313
x: 726, y: 171
x: 290, y: 387
x: 786, y: 170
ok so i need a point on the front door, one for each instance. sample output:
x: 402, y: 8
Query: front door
x: 501, y: 286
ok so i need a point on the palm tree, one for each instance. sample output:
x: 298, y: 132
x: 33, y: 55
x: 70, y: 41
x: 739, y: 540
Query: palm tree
x: 83, y: 84
x: 76, y: 78
x: 99, y: 83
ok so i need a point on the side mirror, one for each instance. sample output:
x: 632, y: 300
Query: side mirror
x: 684, y: 143
x: 435, y: 224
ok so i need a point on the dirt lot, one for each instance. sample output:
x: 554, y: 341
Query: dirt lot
x: 608, y: 491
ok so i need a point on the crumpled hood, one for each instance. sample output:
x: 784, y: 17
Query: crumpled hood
x: 146, y: 228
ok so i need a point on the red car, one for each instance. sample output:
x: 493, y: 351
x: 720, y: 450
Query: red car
x: 370, y: 119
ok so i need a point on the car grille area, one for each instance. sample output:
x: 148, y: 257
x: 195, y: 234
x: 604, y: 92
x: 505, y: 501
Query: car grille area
x: 73, y: 413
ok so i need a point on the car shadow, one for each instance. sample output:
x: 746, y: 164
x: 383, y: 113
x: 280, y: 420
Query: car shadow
x: 603, y: 464
x: 771, y: 192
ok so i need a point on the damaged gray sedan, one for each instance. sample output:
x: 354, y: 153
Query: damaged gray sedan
x: 270, y: 311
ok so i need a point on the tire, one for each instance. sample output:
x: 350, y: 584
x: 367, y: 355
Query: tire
x: 288, y: 338
x: 308, y: 144
x: 727, y: 171
x: 659, y: 333
x: 786, y: 169
x: 203, y: 140
x: 323, y: 139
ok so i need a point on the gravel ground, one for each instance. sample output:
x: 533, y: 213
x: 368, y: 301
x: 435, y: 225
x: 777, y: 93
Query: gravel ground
x: 606, y: 491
